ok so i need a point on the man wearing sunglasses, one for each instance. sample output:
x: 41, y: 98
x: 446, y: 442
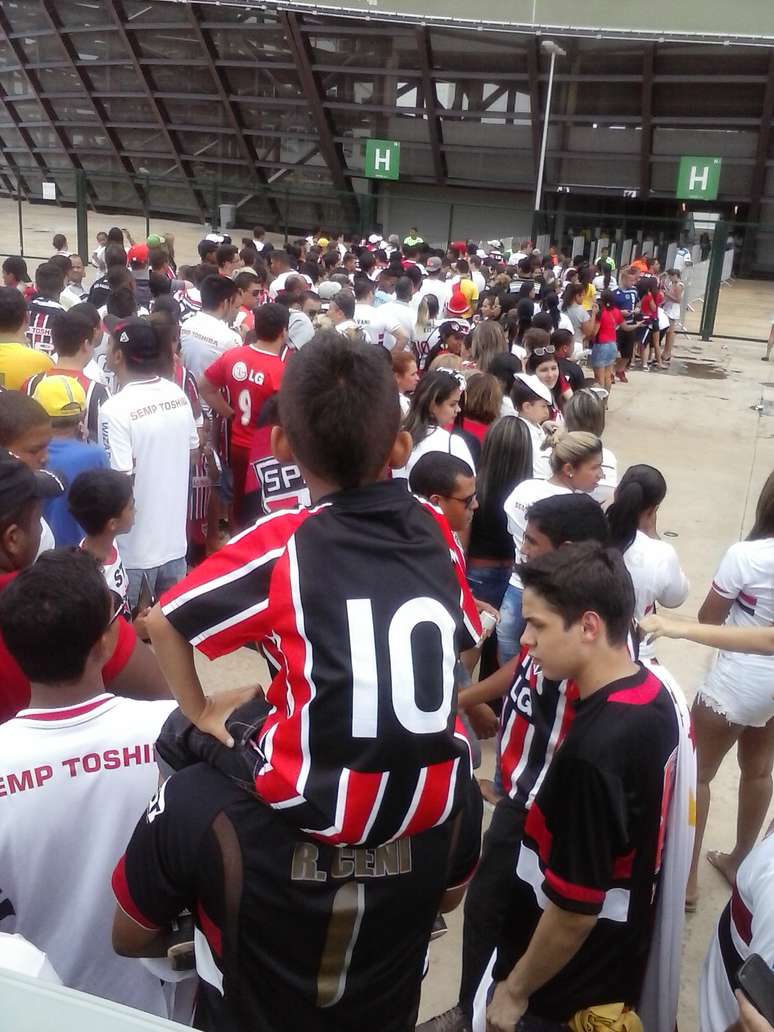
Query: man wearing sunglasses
x: 75, y: 760
x: 449, y: 483
x: 249, y: 295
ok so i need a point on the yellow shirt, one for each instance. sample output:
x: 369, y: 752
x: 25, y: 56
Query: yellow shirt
x: 589, y: 296
x: 18, y: 363
x: 469, y: 291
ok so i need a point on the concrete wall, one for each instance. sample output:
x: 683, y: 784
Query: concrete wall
x: 493, y: 213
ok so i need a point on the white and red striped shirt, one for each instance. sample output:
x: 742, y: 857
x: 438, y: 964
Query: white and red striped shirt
x: 746, y: 926
x: 362, y: 607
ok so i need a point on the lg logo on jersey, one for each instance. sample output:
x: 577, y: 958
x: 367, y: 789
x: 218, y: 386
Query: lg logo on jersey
x: 365, y: 679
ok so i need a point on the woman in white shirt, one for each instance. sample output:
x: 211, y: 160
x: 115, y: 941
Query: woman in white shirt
x: 576, y: 464
x: 437, y: 404
x: 585, y: 410
x: 652, y: 563
x: 734, y: 703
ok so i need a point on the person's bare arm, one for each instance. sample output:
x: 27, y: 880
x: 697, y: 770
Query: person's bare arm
x: 758, y: 640
x: 492, y: 687
x: 214, y: 398
x: 132, y: 940
x: 714, y: 608
x: 175, y: 656
x: 141, y: 678
x: 557, y: 938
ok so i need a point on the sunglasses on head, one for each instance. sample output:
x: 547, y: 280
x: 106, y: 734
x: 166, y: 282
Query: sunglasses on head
x: 549, y: 349
x: 458, y: 376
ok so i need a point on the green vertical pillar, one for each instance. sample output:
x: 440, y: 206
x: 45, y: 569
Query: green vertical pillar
x: 714, y: 276
x: 81, y: 216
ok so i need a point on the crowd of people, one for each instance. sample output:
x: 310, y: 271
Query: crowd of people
x: 380, y: 465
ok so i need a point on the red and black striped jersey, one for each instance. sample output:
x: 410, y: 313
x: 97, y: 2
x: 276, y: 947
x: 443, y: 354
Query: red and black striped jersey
x: 96, y: 395
x: 362, y: 607
x: 535, y: 719
x: 593, y: 840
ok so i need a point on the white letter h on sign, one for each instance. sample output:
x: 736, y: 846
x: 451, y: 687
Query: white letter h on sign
x: 382, y: 160
x: 697, y: 179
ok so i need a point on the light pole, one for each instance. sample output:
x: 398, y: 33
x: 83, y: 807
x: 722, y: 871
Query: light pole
x: 548, y: 47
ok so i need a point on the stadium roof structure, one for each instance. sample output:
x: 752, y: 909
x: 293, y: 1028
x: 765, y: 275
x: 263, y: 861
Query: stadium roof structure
x: 749, y: 22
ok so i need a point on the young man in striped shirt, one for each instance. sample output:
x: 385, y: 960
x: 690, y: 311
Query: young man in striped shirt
x: 361, y: 606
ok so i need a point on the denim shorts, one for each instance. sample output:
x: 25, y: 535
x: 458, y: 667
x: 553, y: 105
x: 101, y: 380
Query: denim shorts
x: 603, y: 355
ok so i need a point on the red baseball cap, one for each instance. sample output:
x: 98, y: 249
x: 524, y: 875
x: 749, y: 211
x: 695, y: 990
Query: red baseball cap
x: 139, y: 253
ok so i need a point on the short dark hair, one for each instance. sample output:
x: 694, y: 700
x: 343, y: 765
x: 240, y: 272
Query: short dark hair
x: 339, y: 408
x: 49, y: 279
x: 206, y: 247
x: 573, y: 517
x: 436, y: 473
x: 345, y: 302
x: 404, y: 289
x: 270, y: 321
x: 62, y: 262
x: 18, y: 414
x: 88, y: 311
x: 363, y: 287
x: 581, y: 577
x: 98, y: 495
x: 560, y: 338
x: 59, y: 241
x: 68, y: 332
x: 226, y: 253
x: 158, y: 258
x: 258, y: 232
x: 245, y: 280
x: 159, y: 284
x: 215, y: 290
x: 61, y: 598
x: 13, y: 309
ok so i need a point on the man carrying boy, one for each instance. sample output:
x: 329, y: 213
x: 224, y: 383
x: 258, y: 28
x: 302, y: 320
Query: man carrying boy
x: 361, y: 607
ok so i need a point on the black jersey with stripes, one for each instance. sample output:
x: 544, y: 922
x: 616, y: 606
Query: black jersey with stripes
x: 291, y: 933
x: 361, y: 606
x: 592, y: 843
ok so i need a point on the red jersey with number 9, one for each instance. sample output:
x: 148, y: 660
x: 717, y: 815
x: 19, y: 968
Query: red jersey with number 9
x: 248, y: 377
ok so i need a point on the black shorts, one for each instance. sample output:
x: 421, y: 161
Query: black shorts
x: 625, y: 337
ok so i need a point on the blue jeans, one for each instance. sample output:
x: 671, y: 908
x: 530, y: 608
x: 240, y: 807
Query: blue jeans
x: 511, y: 626
x: 160, y: 578
x: 488, y: 583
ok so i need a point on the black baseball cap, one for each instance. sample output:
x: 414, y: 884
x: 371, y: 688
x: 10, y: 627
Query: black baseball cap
x: 16, y: 267
x: 138, y: 341
x: 19, y: 485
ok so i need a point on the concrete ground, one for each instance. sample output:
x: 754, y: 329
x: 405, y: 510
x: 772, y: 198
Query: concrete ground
x: 707, y: 425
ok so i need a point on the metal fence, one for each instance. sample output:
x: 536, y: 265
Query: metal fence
x: 709, y: 250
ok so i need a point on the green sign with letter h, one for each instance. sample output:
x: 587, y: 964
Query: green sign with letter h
x: 698, y: 179
x: 382, y: 159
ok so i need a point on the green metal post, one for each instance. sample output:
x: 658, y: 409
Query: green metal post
x: 451, y: 225
x: 714, y: 276
x: 81, y: 216
x: 20, y: 213
x: 145, y: 204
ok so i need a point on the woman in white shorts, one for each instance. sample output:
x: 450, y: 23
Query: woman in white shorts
x: 735, y: 703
